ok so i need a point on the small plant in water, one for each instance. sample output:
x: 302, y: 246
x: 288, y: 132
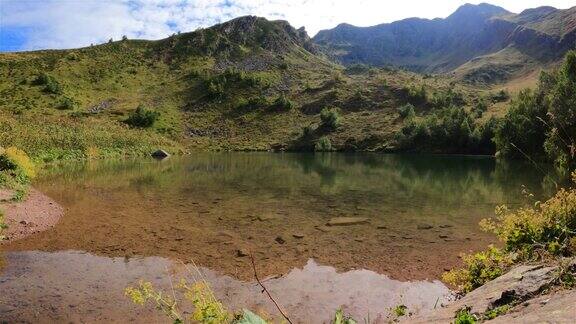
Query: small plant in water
x: 340, y: 318
x: 400, y: 310
x: 3, y: 226
x: 463, y: 316
x: 207, y: 308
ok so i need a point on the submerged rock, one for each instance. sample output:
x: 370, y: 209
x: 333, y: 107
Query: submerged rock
x: 242, y: 253
x: 424, y: 226
x: 280, y: 240
x: 344, y: 221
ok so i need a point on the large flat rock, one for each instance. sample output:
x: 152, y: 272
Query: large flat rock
x: 345, y: 221
x: 559, y: 307
x: 520, y: 283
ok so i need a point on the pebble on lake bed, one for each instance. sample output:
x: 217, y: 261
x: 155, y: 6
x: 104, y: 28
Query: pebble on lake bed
x: 343, y: 221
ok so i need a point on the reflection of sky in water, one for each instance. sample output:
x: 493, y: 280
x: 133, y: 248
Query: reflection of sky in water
x: 74, y: 286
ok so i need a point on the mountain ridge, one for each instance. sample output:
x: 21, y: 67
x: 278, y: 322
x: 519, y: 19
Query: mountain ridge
x: 542, y: 34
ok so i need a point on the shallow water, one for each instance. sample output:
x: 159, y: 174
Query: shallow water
x: 134, y: 219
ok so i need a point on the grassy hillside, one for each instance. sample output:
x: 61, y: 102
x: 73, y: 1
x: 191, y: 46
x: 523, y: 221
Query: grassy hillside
x: 248, y: 84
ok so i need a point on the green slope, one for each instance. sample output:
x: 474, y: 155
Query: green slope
x: 248, y: 84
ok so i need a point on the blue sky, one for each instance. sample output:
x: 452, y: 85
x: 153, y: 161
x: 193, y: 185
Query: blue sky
x: 42, y: 24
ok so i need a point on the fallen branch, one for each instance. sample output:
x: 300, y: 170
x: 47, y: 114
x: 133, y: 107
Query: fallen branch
x: 266, y: 290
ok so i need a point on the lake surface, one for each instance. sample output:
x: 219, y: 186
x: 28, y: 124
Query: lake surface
x: 140, y: 219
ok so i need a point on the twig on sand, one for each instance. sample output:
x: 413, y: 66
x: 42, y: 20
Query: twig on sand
x: 266, y: 290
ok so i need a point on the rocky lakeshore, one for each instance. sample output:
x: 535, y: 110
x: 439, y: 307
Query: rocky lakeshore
x: 35, y: 214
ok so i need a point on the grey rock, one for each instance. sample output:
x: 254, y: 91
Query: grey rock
x: 160, y: 154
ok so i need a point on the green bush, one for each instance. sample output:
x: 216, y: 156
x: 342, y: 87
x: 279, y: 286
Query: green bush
x: 49, y: 82
x: 68, y: 103
x: 15, y: 167
x: 479, y: 108
x: 323, y: 145
x: 463, y: 316
x: 252, y: 103
x: 442, y: 99
x: 500, y: 96
x: 407, y: 111
x: 330, y: 118
x: 216, y: 86
x: 283, y: 103
x: 143, y: 117
x: 449, y: 130
x: 548, y: 228
x: 3, y: 225
x: 416, y: 95
x: 478, y: 269
x: 307, y: 131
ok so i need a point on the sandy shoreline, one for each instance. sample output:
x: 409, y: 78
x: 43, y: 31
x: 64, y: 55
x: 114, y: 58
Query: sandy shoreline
x: 35, y: 214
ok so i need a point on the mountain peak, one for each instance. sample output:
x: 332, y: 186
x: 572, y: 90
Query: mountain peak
x: 484, y: 10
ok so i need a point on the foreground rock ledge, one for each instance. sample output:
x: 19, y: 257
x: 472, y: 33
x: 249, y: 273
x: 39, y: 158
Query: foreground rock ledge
x: 521, y: 283
x: 36, y: 214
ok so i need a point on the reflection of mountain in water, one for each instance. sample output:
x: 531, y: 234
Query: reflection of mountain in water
x: 310, y: 294
x: 364, y: 177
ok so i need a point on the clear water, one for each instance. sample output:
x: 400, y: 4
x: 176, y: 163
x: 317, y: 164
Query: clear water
x: 423, y: 211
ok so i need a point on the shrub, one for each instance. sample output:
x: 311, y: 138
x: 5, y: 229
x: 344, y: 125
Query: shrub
x: 451, y: 130
x: 49, y: 82
x: 416, y: 95
x: 68, y: 103
x: 3, y: 225
x: 307, y: 131
x: 443, y: 99
x: 340, y: 318
x: 479, y: 108
x: 53, y: 87
x: 41, y: 79
x: 323, y: 145
x: 215, y: 89
x: 500, y: 96
x: 463, y: 316
x: 478, y: 269
x: 330, y: 118
x: 400, y: 310
x: 548, y: 228
x: 207, y: 309
x: 252, y: 103
x: 216, y: 85
x: 15, y: 165
x: 283, y: 103
x: 407, y: 111
x: 142, y: 117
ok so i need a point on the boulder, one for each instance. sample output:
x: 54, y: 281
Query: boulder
x: 160, y: 154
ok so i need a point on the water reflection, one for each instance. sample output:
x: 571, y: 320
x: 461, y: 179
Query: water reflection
x: 80, y: 287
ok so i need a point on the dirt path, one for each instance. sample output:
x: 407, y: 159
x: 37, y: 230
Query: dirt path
x: 36, y: 214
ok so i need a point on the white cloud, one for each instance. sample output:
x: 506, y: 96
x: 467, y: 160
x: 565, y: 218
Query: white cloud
x: 74, y: 23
